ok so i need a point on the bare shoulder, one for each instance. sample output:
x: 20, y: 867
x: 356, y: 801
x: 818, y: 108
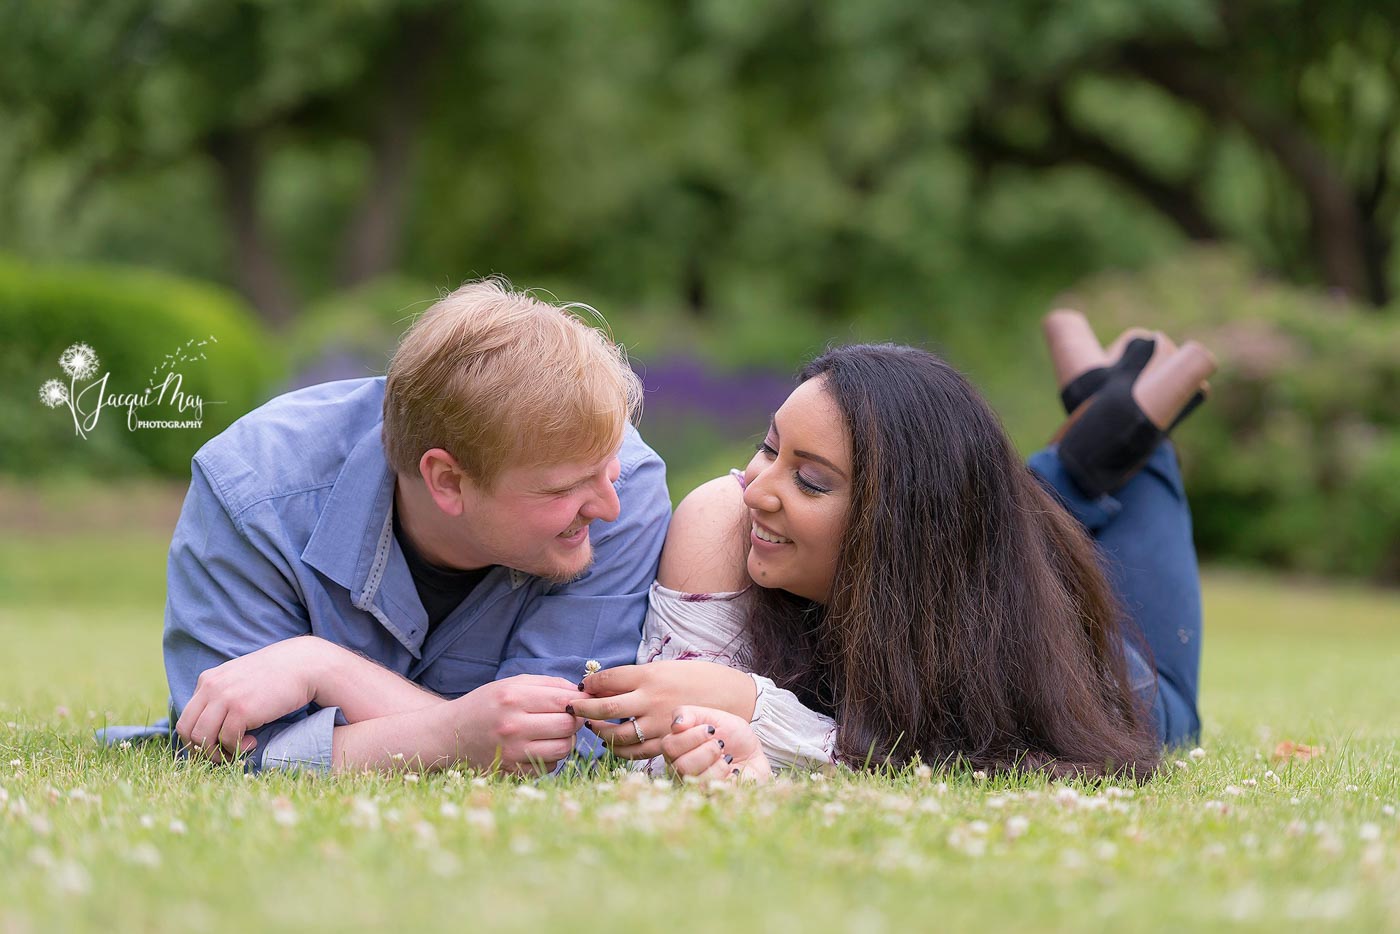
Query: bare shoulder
x: 704, y: 550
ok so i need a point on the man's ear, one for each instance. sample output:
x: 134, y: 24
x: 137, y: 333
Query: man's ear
x: 447, y: 483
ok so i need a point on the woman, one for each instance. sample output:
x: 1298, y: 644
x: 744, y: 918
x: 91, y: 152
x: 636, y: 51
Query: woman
x: 901, y: 585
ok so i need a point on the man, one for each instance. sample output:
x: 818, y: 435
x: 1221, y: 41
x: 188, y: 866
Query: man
x: 412, y: 571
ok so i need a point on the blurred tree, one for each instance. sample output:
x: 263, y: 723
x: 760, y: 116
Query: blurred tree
x: 131, y: 86
x: 1310, y: 89
x: 884, y: 163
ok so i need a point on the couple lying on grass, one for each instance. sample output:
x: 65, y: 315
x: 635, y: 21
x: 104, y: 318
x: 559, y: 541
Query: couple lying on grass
x: 417, y: 571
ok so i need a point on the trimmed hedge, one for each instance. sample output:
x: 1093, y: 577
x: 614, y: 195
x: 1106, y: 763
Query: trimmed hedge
x: 1295, y: 460
x: 131, y: 319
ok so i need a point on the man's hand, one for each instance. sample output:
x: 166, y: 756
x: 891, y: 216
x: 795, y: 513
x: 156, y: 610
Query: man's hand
x: 647, y: 695
x: 518, y: 724
x: 247, y: 692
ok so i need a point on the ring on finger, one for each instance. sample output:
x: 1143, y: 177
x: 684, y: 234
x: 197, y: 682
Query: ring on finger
x: 637, y: 728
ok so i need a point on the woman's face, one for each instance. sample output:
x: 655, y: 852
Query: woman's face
x: 797, y: 489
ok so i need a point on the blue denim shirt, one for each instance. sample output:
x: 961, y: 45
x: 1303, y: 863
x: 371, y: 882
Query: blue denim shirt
x: 287, y: 531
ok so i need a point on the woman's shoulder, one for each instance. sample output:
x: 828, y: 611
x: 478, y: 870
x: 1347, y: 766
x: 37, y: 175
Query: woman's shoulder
x: 704, y: 550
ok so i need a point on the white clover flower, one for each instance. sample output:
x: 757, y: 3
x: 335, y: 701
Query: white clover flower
x: 124, y: 744
x: 79, y: 361
x: 177, y: 826
x: 979, y: 776
x: 1250, y: 783
x: 411, y: 777
x: 1388, y: 810
x: 147, y: 821
x: 923, y: 773
x: 450, y: 810
x: 53, y: 394
x: 1016, y: 826
x: 1352, y: 788
x: 1369, y: 832
x: 1180, y: 764
x: 1197, y: 754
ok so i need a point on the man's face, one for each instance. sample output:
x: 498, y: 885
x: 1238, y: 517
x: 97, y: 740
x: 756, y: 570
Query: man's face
x: 536, y: 519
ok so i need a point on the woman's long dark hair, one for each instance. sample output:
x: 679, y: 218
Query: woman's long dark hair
x: 969, y: 619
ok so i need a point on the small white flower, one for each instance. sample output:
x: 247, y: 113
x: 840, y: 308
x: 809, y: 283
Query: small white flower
x: 923, y: 773
x: 1180, y: 764
x: 1271, y: 775
x: 53, y: 394
x: 1197, y: 754
x: 411, y: 777
x: 79, y: 361
x: 1066, y: 797
x: 1369, y: 832
x: 1352, y: 788
x: 397, y: 757
x: 1233, y: 791
x: 1016, y: 826
x: 147, y: 821
x: 979, y: 776
x: 449, y: 809
x: 177, y: 826
x: 124, y: 744
x: 1250, y: 783
x: 1388, y: 810
x: 529, y: 793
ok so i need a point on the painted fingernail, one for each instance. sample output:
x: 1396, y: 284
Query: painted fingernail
x: 678, y: 720
x: 580, y: 685
x: 735, y: 772
x: 721, y: 743
x: 588, y: 724
x: 569, y: 709
x: 728, y: 758
x: 709, y: 729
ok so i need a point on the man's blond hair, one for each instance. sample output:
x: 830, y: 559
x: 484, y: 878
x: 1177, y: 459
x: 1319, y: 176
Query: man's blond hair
x: 497, y: 377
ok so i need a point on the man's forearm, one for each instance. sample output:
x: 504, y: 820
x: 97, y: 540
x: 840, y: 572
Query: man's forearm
x: 425, y: 738
x: 363, y: 689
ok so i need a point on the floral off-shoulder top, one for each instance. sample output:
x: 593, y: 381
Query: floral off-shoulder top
x: 710, y: 627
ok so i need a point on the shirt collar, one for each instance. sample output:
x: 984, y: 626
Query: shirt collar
x: 353, y: 543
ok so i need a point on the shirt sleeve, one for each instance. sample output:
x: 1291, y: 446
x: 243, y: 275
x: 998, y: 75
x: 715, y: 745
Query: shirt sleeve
x: 792, y: 736
x: 230, y: 592
x: 709, y: 626
x: 600, y: 615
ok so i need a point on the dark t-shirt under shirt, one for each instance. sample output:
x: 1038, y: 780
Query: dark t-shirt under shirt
x: 441, y: 590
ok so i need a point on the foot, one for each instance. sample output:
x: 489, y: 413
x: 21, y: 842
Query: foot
x: 1122, y: 401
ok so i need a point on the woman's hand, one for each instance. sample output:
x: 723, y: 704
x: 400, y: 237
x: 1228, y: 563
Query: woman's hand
x: 714, y: 745
x: 646, y: 696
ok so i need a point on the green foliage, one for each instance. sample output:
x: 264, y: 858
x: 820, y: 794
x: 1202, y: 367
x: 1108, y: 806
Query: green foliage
x: 1295, y: 459
x: 132, y: 320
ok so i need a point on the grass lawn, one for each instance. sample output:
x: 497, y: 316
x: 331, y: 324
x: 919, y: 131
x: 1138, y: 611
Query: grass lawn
x: 117, y: 840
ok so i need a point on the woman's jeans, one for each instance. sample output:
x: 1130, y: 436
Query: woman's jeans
x: 1144, y: 536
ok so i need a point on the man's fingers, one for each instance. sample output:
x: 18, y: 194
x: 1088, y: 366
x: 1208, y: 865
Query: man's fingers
x: 548, y: 751
x: 205, y: 732
x: 545, y: 681
x: 616, y: 707
x: 612, y: 681
x: 190, y: 716
x: 550, y: 699
x: 232, y: 732
x: 547, y: 726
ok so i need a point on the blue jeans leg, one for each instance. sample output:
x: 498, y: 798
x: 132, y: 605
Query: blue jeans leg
x: 1144, y: 536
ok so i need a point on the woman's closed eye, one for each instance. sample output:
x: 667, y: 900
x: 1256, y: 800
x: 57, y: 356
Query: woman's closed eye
x: 810, y: 487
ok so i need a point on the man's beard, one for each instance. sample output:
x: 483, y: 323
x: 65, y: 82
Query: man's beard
x: 561, y: 576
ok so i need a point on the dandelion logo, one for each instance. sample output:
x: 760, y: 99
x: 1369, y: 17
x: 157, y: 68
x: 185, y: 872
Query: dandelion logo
x: 85, y: 402
x: 79, y: 361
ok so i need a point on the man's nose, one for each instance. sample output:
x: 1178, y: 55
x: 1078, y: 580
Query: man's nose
x: 603, y: 504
